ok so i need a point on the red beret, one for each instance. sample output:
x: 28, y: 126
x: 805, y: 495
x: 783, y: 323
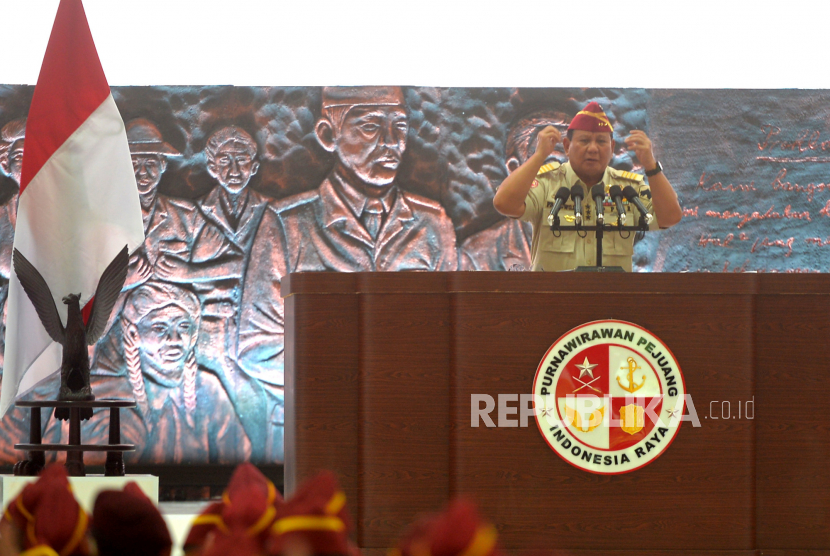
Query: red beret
x: 248, y: 508
x: 59, y: 523
x: 592, y: 118
x: 20, y: 511
x: 456, y: 531
x: 127, y: 523
x: 315, y: 518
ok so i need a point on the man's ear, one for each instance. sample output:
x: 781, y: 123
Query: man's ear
x: 512, y: 164
x: 4, y: 163
x: 211, y: 168
x: 254, y: 168
x: 325, y: 134
x: 567, y: 144
x: 163, y: 164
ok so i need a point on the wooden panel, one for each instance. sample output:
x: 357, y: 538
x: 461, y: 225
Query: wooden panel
x: 405, y: 363
x: 563, y: 552
x: 790, y: 552
x: 321, y: 390
x: 703, y: 482
x: 637, y: 283
x: 793, y: 435
x: 413, y: 347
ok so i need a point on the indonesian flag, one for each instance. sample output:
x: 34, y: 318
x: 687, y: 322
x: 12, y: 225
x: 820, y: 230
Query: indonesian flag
x: 78, y: 198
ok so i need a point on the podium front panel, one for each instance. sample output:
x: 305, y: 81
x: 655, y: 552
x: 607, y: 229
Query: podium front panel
x: 380, y: 369
x: 703, y: 482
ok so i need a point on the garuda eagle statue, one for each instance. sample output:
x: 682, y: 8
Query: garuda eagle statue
x: 75, y: 336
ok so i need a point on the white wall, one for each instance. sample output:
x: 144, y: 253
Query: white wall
x: 669, y: 43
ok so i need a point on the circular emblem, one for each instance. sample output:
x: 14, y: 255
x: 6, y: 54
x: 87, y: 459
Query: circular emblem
x: 534, y: 184
x: 609, y: 397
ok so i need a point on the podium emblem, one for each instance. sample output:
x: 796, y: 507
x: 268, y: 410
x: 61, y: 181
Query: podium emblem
x: 613, y: 397
x: 632, y: 418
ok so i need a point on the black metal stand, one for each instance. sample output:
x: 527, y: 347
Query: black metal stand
x: 600, y: 233
x: 35, y: 457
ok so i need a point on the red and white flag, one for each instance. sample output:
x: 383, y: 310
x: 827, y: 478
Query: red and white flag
x: 78, y: 198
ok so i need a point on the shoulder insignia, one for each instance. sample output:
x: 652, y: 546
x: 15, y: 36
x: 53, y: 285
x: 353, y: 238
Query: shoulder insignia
x: 535, y: 183
x: 629, y: 176
x: 550, y: 166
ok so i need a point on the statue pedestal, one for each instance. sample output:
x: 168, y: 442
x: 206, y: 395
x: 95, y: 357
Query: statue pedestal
x: 85, y: 488
x: 74, y: 449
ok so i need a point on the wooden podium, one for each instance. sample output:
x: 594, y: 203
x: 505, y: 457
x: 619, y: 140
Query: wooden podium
x: 380, y: 369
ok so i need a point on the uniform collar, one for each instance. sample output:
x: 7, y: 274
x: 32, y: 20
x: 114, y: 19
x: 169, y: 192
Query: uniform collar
x: 572, y: 179
x: 211, y: 207
x: 355, y: 198
x: 336, y: 210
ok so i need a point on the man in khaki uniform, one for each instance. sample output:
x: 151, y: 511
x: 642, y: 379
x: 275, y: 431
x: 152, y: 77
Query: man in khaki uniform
x: 529, y: 193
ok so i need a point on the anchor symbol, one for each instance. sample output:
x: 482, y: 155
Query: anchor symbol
x: 632, y: 386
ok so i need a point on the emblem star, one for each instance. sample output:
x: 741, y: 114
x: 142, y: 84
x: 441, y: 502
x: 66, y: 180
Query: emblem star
x: 673, y: 413
x: 547, y: 412
x: 586, y: 369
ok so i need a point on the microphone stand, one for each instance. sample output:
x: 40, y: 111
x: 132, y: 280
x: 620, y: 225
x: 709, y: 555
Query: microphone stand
x: 600, y: 232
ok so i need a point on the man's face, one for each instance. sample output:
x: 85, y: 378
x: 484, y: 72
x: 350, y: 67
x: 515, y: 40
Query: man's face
x: 148, y: 169
x: 166, y: 339
x: 589, y: 153
x: 233, y: 166
x: 13, y: 166
x: 371, y: 142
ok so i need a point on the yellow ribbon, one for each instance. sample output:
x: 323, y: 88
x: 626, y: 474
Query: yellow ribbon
x: 336, y: 503
x: 308, y: 523
x: 23, y: 510
x: 263, y: 522
x: 40, y: 550
x: 601, y: 117
x: 483, y: 542
x: 211, y: 519
x: 77, y: 535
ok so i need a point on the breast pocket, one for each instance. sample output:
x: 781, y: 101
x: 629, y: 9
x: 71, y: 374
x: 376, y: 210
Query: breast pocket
x: 565, y: 243
x: 613, y: 244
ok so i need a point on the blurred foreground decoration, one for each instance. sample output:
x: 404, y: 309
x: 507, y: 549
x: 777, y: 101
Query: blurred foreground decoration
x: 241, y: 185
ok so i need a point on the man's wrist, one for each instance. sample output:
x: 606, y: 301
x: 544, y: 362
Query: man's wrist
x: 656, y: 169
x: 538, y: 159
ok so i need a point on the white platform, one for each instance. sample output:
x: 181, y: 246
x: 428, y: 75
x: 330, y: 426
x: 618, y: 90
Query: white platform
x: 84, y: 488
x: 179, y: 516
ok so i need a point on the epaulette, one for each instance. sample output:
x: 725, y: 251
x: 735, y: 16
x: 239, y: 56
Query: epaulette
x: 628, y: 176
x: 549, y: 167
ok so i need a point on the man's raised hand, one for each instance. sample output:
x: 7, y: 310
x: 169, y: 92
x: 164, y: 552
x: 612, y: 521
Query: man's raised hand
x: 639, y: 142
x: 546, y: 141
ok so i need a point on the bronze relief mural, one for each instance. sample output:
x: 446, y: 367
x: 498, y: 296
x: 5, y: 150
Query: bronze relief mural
x: 240, y: 186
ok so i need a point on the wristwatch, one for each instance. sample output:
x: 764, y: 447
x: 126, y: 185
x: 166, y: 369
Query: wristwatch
x: 657, y: 170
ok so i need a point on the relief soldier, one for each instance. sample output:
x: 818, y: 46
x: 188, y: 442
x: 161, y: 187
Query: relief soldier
x: 212, y: 259
x: 163, y: 216
x: 506, y: 244
x: 184, y: 414
x: 357, y: 220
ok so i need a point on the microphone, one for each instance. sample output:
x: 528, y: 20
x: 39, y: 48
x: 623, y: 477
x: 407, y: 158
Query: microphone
x: 562, y: 195
x: 616, y: 194
x: 577, y: 194
x: 634, y: 198
x: 598, y: 195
